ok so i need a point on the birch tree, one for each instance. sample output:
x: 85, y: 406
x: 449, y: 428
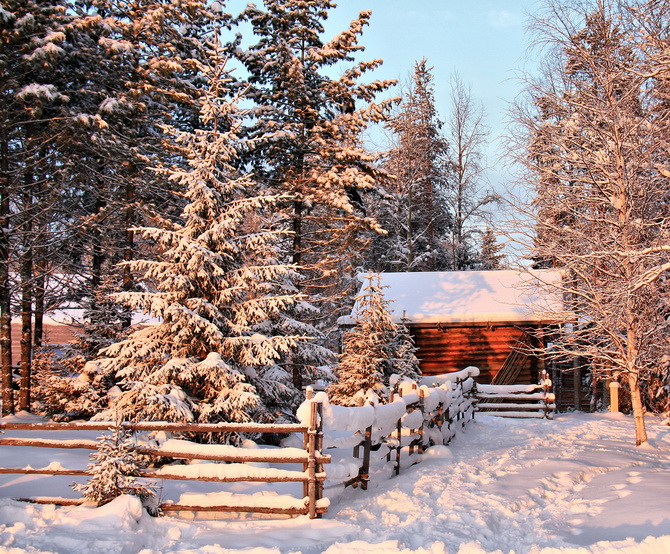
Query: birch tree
x: 596, y: 154
x: 467, y: 194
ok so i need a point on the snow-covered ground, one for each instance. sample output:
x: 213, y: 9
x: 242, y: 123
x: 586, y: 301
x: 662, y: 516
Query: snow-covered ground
x: 573, y: 485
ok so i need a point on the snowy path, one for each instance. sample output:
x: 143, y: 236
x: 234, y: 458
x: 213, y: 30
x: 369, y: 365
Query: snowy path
x: 512, y: 484
x: 528, y: 486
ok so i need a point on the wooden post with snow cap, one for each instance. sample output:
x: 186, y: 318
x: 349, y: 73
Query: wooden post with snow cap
x: 614, y: 387
x: 309, y: 393
x: 311, y: 459
x: 319, y: 450
x: 399, y: 446
x: 365, y: 467
x: 422, y: 407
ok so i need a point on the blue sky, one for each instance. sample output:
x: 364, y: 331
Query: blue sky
x: 485, y: 42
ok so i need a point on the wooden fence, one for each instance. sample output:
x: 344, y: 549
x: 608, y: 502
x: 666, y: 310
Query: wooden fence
x: 392, y: 437
x: 424, y: 421
x: 236, y: 469
x: 517, y: 401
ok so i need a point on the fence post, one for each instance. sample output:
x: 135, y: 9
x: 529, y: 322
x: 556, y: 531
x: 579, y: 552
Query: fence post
x: 319, y: 449
x: 475, y: 400
x: 311, y: 459
x: 399, y: 447
x: 364, y: 472
x: 422, y: 407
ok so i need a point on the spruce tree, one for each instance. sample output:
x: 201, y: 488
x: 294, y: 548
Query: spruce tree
x: 414, y: 210
x: 402, y: 350
x: 368, y: 356
x: 490, y: 255
x: 114, y: 470
x: 218, y: 286
x: 315, y: 154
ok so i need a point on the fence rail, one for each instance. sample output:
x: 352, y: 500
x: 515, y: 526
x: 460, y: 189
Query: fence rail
x: 235, y: 470
x: 518, y: 401
x: 431, y: 414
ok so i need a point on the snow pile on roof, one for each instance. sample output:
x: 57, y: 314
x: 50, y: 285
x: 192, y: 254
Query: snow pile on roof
x: 469, y: 296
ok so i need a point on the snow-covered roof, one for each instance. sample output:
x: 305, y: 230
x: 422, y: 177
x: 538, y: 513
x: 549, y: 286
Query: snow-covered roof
x: 469, y: 296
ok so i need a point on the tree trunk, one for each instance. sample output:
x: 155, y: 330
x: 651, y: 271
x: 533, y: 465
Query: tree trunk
x: 27, y: 267
x: 40, y: 263
x: 638, y: 410
x: 5, y: 314
x: 26, y: 330
x: 26, y: 301
x: 129, y: 245
x: 297, y: 232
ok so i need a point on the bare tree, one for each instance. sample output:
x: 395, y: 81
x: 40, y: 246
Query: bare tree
x: 467, y: 193
x: 595, y: 157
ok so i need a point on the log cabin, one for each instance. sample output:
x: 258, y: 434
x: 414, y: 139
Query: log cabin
x: 488, y: 319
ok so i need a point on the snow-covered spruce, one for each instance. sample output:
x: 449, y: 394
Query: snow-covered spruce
x: 374, y: 349
x: 305, y: 134
x: 115, y: 464
x: 218, y: 288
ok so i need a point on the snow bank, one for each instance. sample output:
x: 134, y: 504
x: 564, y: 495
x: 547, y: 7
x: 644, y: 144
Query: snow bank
x: 575, y: 486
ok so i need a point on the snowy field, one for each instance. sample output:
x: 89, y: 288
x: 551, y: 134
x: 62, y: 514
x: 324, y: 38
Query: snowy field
x: 573, y: 485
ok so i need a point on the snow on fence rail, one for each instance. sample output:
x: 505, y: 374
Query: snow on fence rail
x: 236, y: 469
x: 522, y: 401
x: 375, y: 441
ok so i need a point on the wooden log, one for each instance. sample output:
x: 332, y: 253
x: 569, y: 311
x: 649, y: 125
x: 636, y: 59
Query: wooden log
x: 173, y: 507
x: 169, y: 507
x: 159, y: 426
x: 536, y: 396
x: 248, y: 455
x: 58, y: 501
x: 298, y: 477
x: 45, y: 471
x: 49, y: 443
x: 520, y: 415
x: 511, y: 405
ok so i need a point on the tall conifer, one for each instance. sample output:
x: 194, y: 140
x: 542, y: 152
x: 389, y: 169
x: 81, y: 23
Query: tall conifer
x: 218, y: 286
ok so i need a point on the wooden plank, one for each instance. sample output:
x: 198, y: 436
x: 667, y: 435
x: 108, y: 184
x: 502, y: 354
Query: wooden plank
x: 244, y: 455
x: 283, y: 477
x: 320, y: 509
x: 513, y: 396
x: 288, y: 477
x: 45, y: 471
x: 157, y: 426
x: 58, y: 501
x: 49, y: 443
x: 503, y: 405
x: 520, y: 415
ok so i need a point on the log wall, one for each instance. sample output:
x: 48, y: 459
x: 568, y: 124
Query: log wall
x: 447, y: 349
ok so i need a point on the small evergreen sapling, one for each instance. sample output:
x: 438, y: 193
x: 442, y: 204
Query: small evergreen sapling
x: 374, y: 349
x: 113, y: 470
x: 403, y: 360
